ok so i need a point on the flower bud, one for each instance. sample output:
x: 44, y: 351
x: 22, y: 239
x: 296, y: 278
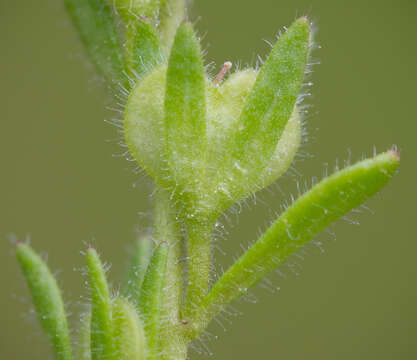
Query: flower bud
x: 211, y: 143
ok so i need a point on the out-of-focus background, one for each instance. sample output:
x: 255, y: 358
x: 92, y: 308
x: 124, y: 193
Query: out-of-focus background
x: 61, y: 183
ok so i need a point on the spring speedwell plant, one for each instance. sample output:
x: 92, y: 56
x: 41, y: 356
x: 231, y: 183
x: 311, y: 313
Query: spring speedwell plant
x: 207, y: 143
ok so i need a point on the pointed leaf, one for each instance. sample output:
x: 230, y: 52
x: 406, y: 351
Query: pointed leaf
x: 171, y: 15
x: 128, y: 332
x: 270, y: 104
x: 150, y: 301
x: 185, y: 109
x: 47, y: 299
x: 285, y: 151
x: 130, y: 10
x: 83, y: 346
x: 137, y: 269
x: 142, y: 47
x: 95, y: 23
x: 102, y: 344
x: 303, y: 220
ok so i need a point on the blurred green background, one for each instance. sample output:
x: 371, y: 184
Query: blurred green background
x: 62, y: 183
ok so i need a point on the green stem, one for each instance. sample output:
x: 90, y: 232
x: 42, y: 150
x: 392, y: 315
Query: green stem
x: 168, y: 229
x: 199, y: 263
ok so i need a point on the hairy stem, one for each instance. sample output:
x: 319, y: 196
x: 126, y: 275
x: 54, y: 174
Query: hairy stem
x: 168, y: 229
x: 199, y: 262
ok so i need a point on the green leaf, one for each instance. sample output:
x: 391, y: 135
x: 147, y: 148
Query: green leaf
x: 102, y: 344
x: 47, y: 299
x: 303, y: 220
x: 137, y: 269
x: 285, y: 151
x: 83, y: 346
x: 95, y: 23
x: 172, y: 14
x: 128, y: 332
x: 130, y: 10
x: 185, y: 111
x: 142, y: 48
x: 269, y: 106
x: 150, y: 301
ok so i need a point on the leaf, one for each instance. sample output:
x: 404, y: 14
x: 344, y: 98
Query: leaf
x: 285, y: 151
x: 130, y: 10
x: 142, y: 47
x: 83, y: 346
x: 47, y: 299
x: 150, y: 301
x: 137, y: 269
x: 185, y: 110
x: 171, y: 15
x: 95, y: 23
x: 269, y: 106
x: 303, y: 220
x: 102, y: 344
x: 129, y: 335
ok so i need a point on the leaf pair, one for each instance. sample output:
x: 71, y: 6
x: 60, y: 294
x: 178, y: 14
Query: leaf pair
x: 310, y: 214
x: 116, y: 330
x: 213, y: 145
x: 113, y: 329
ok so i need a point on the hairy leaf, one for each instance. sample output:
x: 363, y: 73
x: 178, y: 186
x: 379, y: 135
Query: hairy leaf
x: 172, y: 13
x: 304, y: 219
x: 47, y: 299
x: 137, y: 268
x: 150, y: 301
x: 84, y: 338
x: 134, y: 9
x: 95, y: 24
x: 102, y: 341
x: 269, y: 106
x: 142, y: 47
x: 185, y: 110
x: 128, y: 333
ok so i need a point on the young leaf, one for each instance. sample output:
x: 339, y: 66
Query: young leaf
x: 304, y: 219
x: 172, y: 13
x: 139, y: 263
x: 47, y: 300
x: 185, y: 109
x: 130, y: 10
x: 270, y: 104
x: 95, y: 24
x: 150, y: 301
x: 83, y: 346
x: 142, y: 47
x: 128, y: 333
x: 102, y: 341
x: 285, y: 151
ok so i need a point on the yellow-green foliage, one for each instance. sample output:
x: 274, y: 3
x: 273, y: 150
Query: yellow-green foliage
x: 207, y: 143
